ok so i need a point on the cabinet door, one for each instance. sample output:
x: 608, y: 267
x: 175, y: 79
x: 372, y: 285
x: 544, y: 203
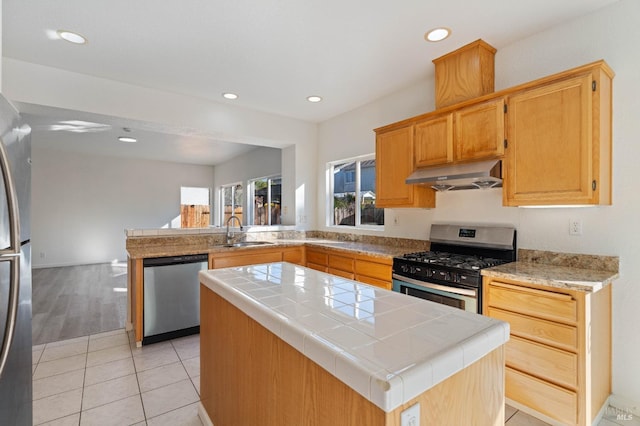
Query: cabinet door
x: 550, y: 152
x: 479, y: 131
x: 294, y: 255
x: 434, y: 141
x: 394, y: 161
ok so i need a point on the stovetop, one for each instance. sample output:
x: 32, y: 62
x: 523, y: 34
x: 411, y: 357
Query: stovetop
x: 444, y: 268
x: 458, y: 254
x: 452, y: 260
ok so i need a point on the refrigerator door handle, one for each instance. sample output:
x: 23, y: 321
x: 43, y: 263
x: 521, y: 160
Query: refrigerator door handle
x: 12, y: 254
x: 12, y: 314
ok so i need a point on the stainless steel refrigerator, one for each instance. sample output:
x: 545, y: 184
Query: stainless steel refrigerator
x: 15, y: 268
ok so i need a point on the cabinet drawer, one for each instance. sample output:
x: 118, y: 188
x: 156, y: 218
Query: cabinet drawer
x: 341, y: 273
x: 342, y: 263
x: 374, y: 281
x: 543, y: 361
x: 317, y: 257
x: 554, y: 401
x: 321, y: 268
x: 543, y: 331
x: 549, y: 305
x: 373, y: 270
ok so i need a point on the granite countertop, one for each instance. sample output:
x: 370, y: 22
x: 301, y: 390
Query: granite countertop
x: 170, y: 247
x: 386, y: 346
x: 567, y: 277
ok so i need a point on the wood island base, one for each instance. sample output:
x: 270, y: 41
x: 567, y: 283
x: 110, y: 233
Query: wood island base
x: 249, y: 376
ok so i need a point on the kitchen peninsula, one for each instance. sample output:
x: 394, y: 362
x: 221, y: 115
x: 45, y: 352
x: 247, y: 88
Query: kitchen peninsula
x: 285, y: 344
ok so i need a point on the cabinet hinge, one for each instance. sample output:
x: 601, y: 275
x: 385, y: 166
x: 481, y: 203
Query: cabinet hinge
x: 593, y: 185
x: 505, y: 108
x: 505, y: 144
x: 593, y: 85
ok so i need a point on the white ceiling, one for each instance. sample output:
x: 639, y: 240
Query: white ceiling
x: 272, y: 53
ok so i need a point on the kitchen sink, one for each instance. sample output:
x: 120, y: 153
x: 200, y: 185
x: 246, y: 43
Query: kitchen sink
x: 246, y: 244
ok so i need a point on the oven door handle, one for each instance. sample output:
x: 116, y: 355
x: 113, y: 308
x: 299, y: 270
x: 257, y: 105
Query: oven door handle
x: 448, y: 289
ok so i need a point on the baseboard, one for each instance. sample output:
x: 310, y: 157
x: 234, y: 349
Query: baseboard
x: 624, y: 406
x: 204, y: 417
x: 64, y: 265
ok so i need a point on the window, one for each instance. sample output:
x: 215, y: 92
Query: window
x: 353, y: 193
x: 194, y: 207
x: 266, y: 196
x: 231, y: 202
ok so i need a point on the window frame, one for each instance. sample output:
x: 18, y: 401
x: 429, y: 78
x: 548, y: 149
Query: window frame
x: 250, y: 200
x: 357, y: 186
x: 233, y: 199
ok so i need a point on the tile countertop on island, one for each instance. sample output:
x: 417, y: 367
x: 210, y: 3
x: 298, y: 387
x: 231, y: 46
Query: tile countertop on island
x: 386, y: 346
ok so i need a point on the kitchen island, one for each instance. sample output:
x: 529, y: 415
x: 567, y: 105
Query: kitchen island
x: 285, y: 344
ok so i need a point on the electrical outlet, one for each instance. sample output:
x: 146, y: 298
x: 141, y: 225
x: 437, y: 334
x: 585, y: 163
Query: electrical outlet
x: 396, y: 221
x: 410, y: 416
x: 42, y: 255
x: 575, y: 227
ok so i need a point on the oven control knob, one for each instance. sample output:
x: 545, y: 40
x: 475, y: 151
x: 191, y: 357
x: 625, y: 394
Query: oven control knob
x: 412, y: 270
x: 404, y: 268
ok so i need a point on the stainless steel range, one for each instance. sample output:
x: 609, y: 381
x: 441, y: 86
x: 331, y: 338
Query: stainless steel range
x: 450, y: 272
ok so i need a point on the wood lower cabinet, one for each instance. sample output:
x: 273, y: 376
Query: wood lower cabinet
x: 394, y: 163
x: 367, y: 269
x: 559, y: 145
x: 254, y: 256
x: 559, y: 356
x: 317, y: 258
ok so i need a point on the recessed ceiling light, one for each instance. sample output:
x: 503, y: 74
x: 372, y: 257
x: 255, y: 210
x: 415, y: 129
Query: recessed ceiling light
x: 72, y: 37
x: 127, y: 139
x: 314, y: 98
x: 437, y: 34
x: 229, y: 95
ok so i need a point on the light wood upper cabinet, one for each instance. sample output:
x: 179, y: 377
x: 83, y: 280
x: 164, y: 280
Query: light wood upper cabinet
x: 559, y: 136
x: 479, y: 131
x: 394, y: 163
x: 471, y: 133
x: 434, y: 141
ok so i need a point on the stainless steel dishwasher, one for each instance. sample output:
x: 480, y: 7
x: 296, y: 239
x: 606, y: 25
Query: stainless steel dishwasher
x: 172, y: 296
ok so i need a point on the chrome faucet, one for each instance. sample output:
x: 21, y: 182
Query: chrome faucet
x: 230, y: 234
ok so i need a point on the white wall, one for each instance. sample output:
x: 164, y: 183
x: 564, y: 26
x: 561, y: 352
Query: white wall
x: 612, y: 34
x: 81, y: 204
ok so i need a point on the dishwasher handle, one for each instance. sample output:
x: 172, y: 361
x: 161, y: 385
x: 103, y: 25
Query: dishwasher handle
x: 175, y: 260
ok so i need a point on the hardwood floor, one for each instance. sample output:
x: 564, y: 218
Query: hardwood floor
x: 78, y: 301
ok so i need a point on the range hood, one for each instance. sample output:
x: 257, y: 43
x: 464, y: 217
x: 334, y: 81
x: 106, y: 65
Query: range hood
x: 481, y: 174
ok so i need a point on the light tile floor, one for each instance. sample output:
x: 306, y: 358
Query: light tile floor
x: 103, y: 379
